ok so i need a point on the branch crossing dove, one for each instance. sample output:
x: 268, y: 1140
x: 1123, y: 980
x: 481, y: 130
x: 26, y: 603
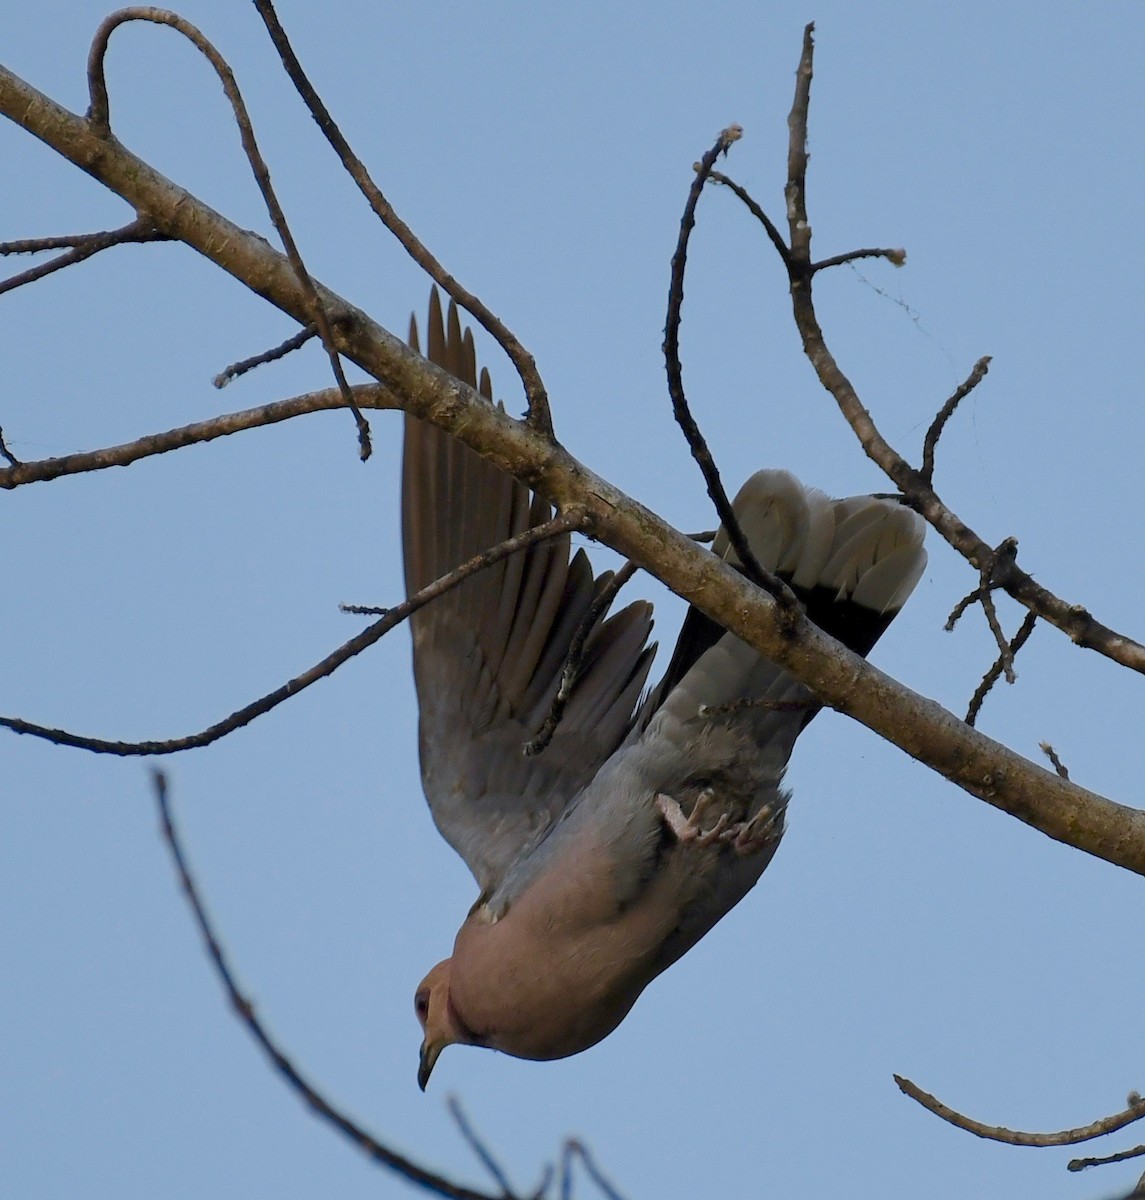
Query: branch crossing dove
x: 649, y: 815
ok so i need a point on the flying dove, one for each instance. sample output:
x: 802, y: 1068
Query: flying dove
x: 605, y: 857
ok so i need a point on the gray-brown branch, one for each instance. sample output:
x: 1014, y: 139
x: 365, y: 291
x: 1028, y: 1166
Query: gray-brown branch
x: 920, y: 727
x: 1013, y: 1137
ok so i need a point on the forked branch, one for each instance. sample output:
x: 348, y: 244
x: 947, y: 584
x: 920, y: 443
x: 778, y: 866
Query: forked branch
x: 99, y: 118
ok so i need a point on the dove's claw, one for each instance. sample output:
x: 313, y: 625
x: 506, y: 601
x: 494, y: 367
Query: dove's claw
x: 744, y: 837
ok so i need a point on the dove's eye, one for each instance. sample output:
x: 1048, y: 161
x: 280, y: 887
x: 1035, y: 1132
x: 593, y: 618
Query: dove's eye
x: 421, y: 1005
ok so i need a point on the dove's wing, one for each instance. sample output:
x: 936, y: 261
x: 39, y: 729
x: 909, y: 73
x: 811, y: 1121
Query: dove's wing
x: 488, y: 655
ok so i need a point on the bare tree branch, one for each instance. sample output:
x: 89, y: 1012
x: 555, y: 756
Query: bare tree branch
x: 756, y: 211
x: 1052, y: 755
x: 461, y: 1120
x: 994, y: 673
x: 1080, y: 1164
x: 930, y: 442
x: 7, y: 454
x: 18, y: 474
x: 896, y: 256
x: 99, y: 118
x: 84, y: 245
x: 565, y: 523
x: 1072, y: 619
x: 576, y: 1149
x: 922, y: 728
x: 365, y: 1141
x: 295, y: 342
x: 996, y: 1133
x: 680, y: 407
x: 539, y: 415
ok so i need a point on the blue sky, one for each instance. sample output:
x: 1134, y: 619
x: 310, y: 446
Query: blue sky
x: 544, y: 154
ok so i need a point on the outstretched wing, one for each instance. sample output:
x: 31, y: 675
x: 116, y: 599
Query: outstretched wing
x: 488, y: 655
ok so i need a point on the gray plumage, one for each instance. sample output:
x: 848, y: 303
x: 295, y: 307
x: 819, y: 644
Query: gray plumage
x: 603, y: 859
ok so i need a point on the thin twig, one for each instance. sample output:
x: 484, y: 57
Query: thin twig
x: 7, y: 454
x: 1005, y: 654
x: 565, y: 523
x: 896, y: 256
x: 1052, y: 755
x: 539, y: 415
x: 994, y: 673
x: 930, y: 442
x: 84, y: 245
x: 99, y: 117
x: 680, y: 407
x: 995, y: 1133
x: 478, y: 1146
x: 579, y: 1150
x: 244, y: 1009
x: 756, y: 211
x: 1080, y: 1164
x: 367, y: 395
x: 574, y: 659
x: 291, y: 344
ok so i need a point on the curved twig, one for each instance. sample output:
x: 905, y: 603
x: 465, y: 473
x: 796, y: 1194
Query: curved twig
x: 930, y: 441
x: 1012, y: 1137
x: 99, y: 117
x: 565, y: 523
x: 244, y: 1009
x: 539, y: 414
x: 680, y: 407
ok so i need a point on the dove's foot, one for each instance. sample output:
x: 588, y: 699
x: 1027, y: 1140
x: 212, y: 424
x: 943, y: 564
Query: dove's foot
x: 744, y: 837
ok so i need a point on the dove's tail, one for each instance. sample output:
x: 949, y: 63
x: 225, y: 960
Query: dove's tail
x: 853, y: 563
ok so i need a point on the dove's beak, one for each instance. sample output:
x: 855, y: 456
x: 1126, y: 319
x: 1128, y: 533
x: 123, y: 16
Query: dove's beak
x: 429, y: 1053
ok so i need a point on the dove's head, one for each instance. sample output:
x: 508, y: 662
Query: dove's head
x: 438, y: 1019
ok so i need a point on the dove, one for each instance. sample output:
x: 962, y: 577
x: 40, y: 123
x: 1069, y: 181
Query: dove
x: 651, y: 813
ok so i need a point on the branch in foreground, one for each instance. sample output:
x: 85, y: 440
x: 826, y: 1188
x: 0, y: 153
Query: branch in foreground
x: 680, y: 407
x: 996, y: 1133
x: 244, y: 1009
x: 99, y: 117
x: 565, y: 523
x: 539, y: 414
x: 922, y: 728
